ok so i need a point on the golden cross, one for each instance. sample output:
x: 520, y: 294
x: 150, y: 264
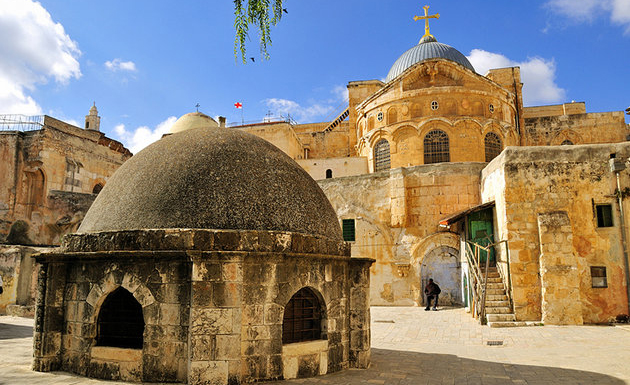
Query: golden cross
x: 426, y: 18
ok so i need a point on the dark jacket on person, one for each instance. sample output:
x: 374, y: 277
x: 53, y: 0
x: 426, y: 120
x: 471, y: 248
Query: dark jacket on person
x: 432, y: 289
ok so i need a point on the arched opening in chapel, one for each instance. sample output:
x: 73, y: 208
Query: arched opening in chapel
x: 304, y: 317
x: 120, y: 321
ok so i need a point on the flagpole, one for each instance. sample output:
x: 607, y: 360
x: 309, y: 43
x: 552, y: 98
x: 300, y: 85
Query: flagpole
x: 242, y: 119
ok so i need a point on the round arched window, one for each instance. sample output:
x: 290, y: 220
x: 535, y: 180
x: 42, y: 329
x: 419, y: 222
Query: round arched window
x: 436, y: 147
x: 303, y: 318
x: 493, y: 146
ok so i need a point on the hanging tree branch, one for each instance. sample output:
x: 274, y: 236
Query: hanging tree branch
x: 256, y: 13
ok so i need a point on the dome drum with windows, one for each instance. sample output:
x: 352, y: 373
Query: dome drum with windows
x: 197, y: 246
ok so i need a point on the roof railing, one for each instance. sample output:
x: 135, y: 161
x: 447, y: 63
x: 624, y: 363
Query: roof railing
x: 17, y: 122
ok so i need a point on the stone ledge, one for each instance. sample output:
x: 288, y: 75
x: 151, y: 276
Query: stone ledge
x: 109, y: 353
x: 203, y: 240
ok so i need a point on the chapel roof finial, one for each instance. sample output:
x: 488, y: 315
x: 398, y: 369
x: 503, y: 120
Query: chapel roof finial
x: 427, y: 35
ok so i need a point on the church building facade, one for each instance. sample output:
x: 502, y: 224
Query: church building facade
x: 434, y: 140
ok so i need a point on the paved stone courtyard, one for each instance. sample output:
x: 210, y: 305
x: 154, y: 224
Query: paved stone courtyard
x: 411, y: 346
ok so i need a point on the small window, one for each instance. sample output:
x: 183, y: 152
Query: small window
x: 87, y: 124
x: 97, y: 189
x: 328, y: 174
x: 120, y: 321
x: 379, y: 116
x: 434, y: 105
x: 348, y: 229
x: 303, y: 318
x: 604, y: 216
x: 566, y: 142
x: 598, y: 276
x: 491, y: 108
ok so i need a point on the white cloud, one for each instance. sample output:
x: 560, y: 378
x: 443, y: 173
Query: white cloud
x: 34, y: 50
x: 301, y: 114
x: 588, y: 10
x: 537, y: 74
x: 316, y: 111
x: 119, y: 65
x: 136, y: 140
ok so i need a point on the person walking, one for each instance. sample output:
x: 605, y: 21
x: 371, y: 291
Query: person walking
x: 432, y: 290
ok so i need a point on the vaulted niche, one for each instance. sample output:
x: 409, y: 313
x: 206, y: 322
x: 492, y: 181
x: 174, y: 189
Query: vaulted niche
x: 120, y: 321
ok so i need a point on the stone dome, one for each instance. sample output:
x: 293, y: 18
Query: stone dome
x: 212, y: 178
x: 428, y: 48
x: 192, y: 120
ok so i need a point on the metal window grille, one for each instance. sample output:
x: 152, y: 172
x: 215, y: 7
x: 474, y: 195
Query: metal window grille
x: 493, y: 146
x: 566, y: 142
x: 347, y: 227
x: 434, y: 105
x: 381, y: 155
x: 120, y: 321
x: 598, y: 276
x: 302, y: 319
x: 436, y: 147
x: 604, y: 216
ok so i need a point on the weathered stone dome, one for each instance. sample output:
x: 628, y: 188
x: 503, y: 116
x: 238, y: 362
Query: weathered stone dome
x: 192, y: 120
x: 428, y: 48
x: 212, y: 178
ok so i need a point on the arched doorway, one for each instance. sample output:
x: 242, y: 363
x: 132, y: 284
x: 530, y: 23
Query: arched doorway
x: 443, y: 265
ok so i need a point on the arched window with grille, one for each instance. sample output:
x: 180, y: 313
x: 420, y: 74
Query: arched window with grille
x: 493, y: 146
x: 304, y: 318
x: 97, y: 188
x: 381, y: 156
x: 120, y: 321
x: 566, y: 142
x: 436, y: 147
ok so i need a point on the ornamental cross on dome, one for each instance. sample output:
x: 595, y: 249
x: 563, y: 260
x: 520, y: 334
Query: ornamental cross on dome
x: 426, y: 18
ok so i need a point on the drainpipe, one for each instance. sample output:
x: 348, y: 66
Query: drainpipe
x: 616, y: 167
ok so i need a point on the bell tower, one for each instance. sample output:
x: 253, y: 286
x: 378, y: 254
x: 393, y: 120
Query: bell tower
x: 93, y: 121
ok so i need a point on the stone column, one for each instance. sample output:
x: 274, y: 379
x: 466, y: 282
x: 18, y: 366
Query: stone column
x: 49, y: 317
x: 561, y: 303
x: 398, y: 198
x: 215, y: 320
x: 359, y: 274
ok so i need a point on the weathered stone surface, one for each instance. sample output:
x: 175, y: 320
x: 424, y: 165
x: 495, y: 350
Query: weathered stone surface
x: 197, y: 188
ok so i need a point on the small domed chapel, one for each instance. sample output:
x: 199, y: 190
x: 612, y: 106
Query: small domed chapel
x: 210, y: 257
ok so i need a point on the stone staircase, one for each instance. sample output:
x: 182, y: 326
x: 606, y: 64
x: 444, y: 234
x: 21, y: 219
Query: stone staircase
x: 498, y: 310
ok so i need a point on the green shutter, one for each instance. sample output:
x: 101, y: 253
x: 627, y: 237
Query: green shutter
x: 347, y: 226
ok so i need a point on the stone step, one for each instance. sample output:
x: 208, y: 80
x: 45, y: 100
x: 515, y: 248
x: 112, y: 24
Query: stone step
x: 495, y: 291
x: 495, y: 285
x: 496, y: 297
x: 495, y: 280
x: 498, y: 310
x: 506, y: 324
x: 497, y: 303
x: 501, y: 317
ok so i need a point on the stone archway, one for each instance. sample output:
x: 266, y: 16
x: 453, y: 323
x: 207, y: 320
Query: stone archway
x: 442, y: 264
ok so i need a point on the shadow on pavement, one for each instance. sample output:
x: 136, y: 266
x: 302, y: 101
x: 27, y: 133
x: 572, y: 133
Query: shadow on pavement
x: 8, y: 331
x: 411, y: 368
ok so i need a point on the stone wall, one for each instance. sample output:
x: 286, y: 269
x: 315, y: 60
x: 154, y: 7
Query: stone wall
x: 213, y: 304
x: 396, y: 216
x: 578, y: 128
x: 59, y: 157
x: 528, y: 181
x: 19, y: 276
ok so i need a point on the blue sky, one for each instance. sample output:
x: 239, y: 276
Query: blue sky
x: 145, y: 63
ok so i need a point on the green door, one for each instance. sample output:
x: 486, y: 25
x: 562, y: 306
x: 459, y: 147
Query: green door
x: 480, y: 229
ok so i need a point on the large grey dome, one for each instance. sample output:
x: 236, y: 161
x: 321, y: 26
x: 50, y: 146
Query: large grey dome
x: 426, y: 49
x: 212, y: 178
